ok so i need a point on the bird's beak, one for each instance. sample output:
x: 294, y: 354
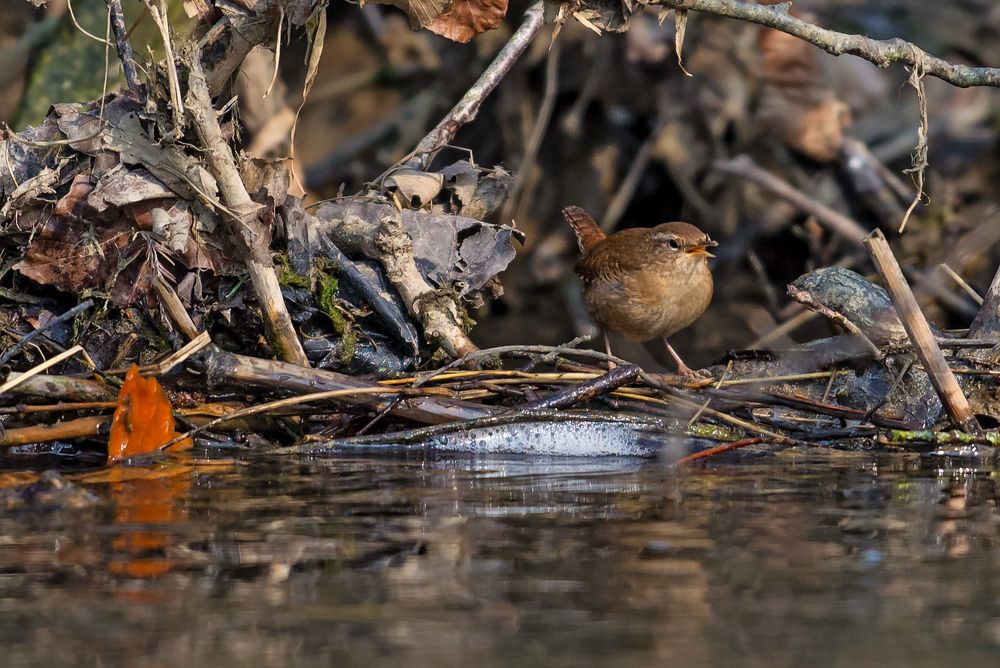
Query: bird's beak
x: 701, y: 249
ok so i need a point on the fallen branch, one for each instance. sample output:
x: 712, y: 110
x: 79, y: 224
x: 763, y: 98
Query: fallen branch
x: 880, y: 52
x: 61, y: 431
x: 242, y: 215
x: 924, y: 344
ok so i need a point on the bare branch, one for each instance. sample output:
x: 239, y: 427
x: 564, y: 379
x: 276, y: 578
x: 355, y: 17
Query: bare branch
x: 880, y: 52
x: 242, y: 216
x: 468, y: 106
x: 123, y: 46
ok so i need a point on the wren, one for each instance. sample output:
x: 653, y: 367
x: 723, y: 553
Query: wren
x: 643, y: 283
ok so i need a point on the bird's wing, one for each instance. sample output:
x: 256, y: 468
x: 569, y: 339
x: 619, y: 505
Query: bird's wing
x: 614, y: 257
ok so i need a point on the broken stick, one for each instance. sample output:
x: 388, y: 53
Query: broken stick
x: 926, y: 347
x: 241, y: 214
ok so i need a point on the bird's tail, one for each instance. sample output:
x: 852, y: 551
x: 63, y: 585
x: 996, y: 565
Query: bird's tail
x: 588, y: 232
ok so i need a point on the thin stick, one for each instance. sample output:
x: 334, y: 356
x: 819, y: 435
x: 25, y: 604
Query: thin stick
x: 835, y: 221
x: 725, y: 374
x: 537, y: 132
x: 159, y: 14
x: 60, y: 431
x: 14, y: 382
x: 68, y: 315
x: 583, y: 392
x: 969, y: 290
x: 941, y: 376
x: 245, y: 226
x: 59, y: 408
x: 545, y: 352
x: 274, y: 405
x: 717, y: 450
x: 174, y: 308
x: 123, y: 47
x: 809, y: 301
x: 880, y: 52
x: 789, y: 325
x: 467, y: 108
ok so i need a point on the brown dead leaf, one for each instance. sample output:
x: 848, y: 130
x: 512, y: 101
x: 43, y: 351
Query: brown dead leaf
x: 70, y: 255
x: 421, y: 12
x: 467, y: 18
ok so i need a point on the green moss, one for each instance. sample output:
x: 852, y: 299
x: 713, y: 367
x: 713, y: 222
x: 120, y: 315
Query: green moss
x: 714, y: 432
x: 287, y: 276
x: 348, y: 345
x: 326, y: 294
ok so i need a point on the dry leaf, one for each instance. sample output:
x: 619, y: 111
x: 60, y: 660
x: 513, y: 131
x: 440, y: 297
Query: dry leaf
x: 144, y: 419
x: 421, y: 12
x: 315, y: 53
x: 467, y: 18
x: 416, y: 188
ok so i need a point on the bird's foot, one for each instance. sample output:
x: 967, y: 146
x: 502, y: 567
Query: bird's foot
x: 685, y: 371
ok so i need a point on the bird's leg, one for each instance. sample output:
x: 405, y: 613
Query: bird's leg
x: 682, y: 368
x: 607, y: 350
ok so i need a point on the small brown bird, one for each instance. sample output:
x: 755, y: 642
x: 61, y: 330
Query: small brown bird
x: 643, y: 283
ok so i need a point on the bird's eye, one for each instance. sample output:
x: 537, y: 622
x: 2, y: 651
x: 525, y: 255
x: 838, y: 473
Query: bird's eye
x: 673, y: 244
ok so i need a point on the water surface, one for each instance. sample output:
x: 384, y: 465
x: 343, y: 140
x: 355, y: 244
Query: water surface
x: 819, y: 559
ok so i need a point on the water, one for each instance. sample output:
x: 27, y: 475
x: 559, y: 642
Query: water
x: 818, y: 559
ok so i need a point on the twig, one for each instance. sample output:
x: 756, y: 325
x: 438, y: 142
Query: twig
x: 123, y: 47
x: 537, y: 132
x: 61, y: 407
x: 275, y: 405
x: 920, y: 334
x: 467, y: 108
x: 969, y: 290
x: 68, y: 315
x: 835, y: 221
x: 919, y: 160
x: 630, y: 183
x: 159, y: 14
x: 583, y: 392
x: 549, y: 352
x: 880, y: 52
x: 242, y: 371
x: 809, y: 301
x: 34, y: 371
x: 246, y: 227
x: 173, y: 307
x: 717, y: 450
x: 60, y: 431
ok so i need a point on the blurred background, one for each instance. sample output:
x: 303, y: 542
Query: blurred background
x: 613, y: 124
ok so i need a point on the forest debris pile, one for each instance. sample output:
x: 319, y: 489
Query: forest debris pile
x: 318, y: 322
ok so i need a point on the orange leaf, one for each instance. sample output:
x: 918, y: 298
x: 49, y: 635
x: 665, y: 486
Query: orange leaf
x: 144, y: 419
x: 467, y: 18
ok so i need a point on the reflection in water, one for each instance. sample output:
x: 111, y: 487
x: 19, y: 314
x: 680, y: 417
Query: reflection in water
x: 786, y: 560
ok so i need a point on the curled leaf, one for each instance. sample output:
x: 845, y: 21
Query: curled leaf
x: 467, y: 18
x: 143, y: 420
